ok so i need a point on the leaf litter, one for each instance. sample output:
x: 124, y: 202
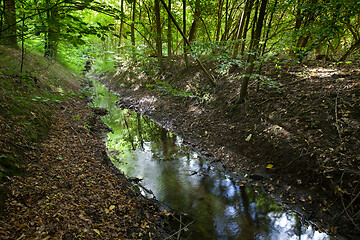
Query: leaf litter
x: 72, y: 191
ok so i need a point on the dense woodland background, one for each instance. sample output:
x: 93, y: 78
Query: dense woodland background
x: 236, y: 33
x: 302, y: 54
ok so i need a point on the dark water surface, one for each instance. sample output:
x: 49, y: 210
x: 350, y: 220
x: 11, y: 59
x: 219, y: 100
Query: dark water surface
x: 179, y: 177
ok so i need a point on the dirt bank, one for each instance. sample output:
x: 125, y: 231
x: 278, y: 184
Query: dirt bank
x: 296, y: 138
x: 70, y: 190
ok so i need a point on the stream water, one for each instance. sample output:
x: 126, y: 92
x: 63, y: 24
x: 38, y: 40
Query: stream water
x: 179, y: 177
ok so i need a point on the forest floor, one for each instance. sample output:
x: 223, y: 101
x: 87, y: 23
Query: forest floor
x: 56, y: 179
x: 297, y: 138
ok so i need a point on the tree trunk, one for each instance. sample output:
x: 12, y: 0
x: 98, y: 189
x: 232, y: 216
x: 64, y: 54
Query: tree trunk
x: 269, y: 27
x: 184, y: 32
x: 245, y: 28
x: 226, y: 28
x: 245, y: 14
x: 195, y: 24
x: 210, y: 78
x: 169, y: 34
x: 218, y: 26
x: 121, y: 22
x: 53, y: 31
x: 8, y: 31
x: 158, y: 34
x: 252, y: 57
x: 132, y: 26
x: 352, y: 48
x: 254, y: 24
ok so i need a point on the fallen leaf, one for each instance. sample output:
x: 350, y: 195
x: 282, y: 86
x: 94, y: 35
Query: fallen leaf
x: 248, y: 137
x: 97, y: 231
x: 269, y: 166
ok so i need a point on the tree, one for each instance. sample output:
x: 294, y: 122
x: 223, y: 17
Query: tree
x: 253, y: 52
x: 133, y: 23
x: 8, y: 35
x: 169, y: 33
x: 158, y: 34
x: 242, y: 26
x: 52, y: 34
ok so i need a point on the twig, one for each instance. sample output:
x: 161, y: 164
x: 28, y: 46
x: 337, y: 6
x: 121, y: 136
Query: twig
x: 178, y: 237
x: 336, y: 115
x: 349, y: 205
x: 77, y: 135
x: 180, y: 230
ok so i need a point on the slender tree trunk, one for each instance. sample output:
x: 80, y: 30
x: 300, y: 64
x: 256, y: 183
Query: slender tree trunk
x: 254, y: 23
x: 255, y: 48
x: 226, y: 29
x: 244, y: 15
x: 8, y: 30
x: 210, y: 78
x: 184, y: 31
x: 158, y: 34
x: 169, y: 34
x: 352, y: 48
x: 195, y: 24
x: 218, y: 26
x: 269, y: 27
x: 121, y: 22
x: 245, y: 28
x: 132, y: 26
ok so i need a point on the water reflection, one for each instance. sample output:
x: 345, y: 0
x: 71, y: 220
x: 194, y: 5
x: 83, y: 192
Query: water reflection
x: 179, y: 177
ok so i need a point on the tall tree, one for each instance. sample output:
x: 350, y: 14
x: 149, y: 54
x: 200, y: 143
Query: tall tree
x: 169, y: 33
x: 132, y: 25
x: 158, y: 34
x: 253, y: 52
x: 219, y: 18
x: 8, y: 34
x: 244, y: 16
x: 52, y: 34
x: 195, y: 23
x: 121, y: 21
x: 184, y: 31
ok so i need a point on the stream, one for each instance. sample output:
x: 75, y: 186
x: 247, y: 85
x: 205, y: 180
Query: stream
x: 222, y: 208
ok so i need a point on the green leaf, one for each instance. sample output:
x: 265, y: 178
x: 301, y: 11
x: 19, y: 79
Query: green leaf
x: 248, y: 137
x: 97, y: 231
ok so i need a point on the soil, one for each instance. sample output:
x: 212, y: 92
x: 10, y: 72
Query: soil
x: 296, y: 138
x: 69, y: 188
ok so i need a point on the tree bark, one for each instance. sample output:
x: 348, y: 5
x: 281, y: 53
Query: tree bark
x: 169, y: 34
x: 184, y: 32
x: 121, y: 21
x: 245, y: 28
x: 158, y: 34
x: 194, y: 26
x: 132, y: 26
x: 52, y: 32
x: 8, y: 31
x: 218, y: 26
x: 254, y: 49
x: 245, y: 14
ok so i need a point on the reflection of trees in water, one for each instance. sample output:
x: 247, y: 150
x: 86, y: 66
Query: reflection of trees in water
x: 221, y: 207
